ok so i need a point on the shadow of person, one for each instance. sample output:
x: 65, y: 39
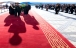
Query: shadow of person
x: 17, y: 26
x: 31, y: 21
x: 8, y: 20
x: 15, y: 40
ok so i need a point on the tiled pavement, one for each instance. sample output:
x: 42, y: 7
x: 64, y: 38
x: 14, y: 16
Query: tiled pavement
x: 63, y: 22
x: 3, y: 11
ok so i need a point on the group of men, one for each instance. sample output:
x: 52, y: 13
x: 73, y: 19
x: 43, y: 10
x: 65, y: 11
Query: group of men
x: 67, y: 8
x: 16, y: 9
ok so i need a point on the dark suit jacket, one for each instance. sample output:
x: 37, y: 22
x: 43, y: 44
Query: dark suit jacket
x: 28, y: 7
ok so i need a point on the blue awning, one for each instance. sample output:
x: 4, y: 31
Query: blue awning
x: 25, y: 3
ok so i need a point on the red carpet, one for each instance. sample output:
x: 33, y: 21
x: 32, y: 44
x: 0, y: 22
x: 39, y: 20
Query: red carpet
x: 29, y: 31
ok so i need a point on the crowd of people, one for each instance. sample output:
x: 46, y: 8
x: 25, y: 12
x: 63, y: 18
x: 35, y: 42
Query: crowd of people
x: 16, y: 9
x: 67, y: 8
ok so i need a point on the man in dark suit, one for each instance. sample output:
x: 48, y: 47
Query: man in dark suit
x: 27, y: 8
x: 11, y: 9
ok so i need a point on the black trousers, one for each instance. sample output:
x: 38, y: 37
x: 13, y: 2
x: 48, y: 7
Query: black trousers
x: 17, y: 13
x: 11, y: 12
x: 66, y: 11
x: 71, y: 11
x: 26, y: 11
x: 41, y: 8
x: 56, y: 11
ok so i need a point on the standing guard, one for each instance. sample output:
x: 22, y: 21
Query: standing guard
x: 75, y: 9
x: 47, y: 7
x: 36, y: 6
x: 41, y: 6
x: 62, y: 8
x: 72, y: 8
x: 67, y: 8
x: 57, y: 8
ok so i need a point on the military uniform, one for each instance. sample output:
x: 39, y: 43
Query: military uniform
x: 67, y: 8
x: 41, y: 6
x: 72, y: 8
x: 17, y: 9
x: 62, y: 8
x: 57, y: 8
x: 36, y: 6
x: 47, y: 7
x: 75, y: 10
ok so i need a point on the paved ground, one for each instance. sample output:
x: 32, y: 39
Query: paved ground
x: 3, y: 10
x: 63, y: 22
